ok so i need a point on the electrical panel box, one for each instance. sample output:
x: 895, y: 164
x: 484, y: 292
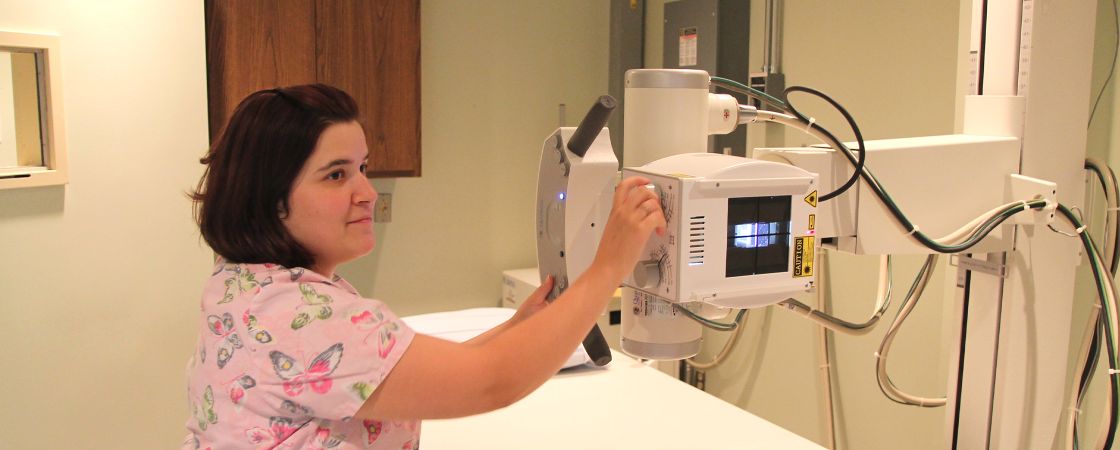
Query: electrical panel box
x: 713, y: 36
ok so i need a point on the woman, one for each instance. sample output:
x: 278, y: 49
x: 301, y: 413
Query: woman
x: 290, y: 355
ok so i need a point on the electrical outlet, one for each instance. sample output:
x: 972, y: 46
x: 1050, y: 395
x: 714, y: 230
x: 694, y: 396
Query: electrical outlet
x: 383, y: 211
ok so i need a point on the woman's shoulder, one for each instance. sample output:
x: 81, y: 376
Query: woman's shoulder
x: 266, y: 290
x: 239, y: 278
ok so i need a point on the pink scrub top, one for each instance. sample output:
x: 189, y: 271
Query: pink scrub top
x: 285, y: 358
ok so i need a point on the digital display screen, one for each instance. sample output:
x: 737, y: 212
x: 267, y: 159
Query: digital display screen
x: 758, y: 237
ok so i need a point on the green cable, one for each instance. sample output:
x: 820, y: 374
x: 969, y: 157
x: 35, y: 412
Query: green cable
x: 1102, y: 292
x: 741, y: 88
x: 711, y: 323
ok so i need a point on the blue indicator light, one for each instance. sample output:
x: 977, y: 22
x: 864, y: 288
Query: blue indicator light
x: 562, y: 196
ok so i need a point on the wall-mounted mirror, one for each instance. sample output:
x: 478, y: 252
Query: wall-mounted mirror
x: 32, y: 148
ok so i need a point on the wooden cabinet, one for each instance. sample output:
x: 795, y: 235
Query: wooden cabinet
x: 369, y: 48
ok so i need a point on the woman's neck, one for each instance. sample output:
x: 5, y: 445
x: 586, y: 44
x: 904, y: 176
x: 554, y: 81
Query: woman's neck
x: 324, y: 270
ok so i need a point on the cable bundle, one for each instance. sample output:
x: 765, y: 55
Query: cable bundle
x: 959, y: 241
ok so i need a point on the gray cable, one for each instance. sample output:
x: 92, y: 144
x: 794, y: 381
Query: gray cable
x: 711, y: 323
x: 885, y: 384
x: 842, y: 326
x: 727, y: 346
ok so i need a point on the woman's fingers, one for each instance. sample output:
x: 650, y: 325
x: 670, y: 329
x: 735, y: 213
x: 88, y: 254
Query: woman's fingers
x: 626, y: 189
x: 535, y: 302
x: 636, y: 214
x: 654, y: 217
x: 541, y: 292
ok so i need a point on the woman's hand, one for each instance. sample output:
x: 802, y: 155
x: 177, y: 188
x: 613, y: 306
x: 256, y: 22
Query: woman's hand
x: 535, y: 302
x: 635, y: 213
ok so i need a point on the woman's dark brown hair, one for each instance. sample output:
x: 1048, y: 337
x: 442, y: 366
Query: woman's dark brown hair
x: 243, y: 194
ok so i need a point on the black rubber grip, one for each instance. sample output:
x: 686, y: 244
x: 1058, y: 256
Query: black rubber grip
x: 591, y: 125
x: 596, y: 346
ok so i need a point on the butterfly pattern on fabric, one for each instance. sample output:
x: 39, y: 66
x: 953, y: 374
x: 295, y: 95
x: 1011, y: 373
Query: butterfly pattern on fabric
x: 191, y: 443
x: 362, y: 390
x: 296, y: 410
x: 279, y: 429
x: 230, y: 341
x: 317, y: 375
x: 204, y: 411
x: 238, y: 387
x: 259, y: 334
x: 315, y: 306
x: 269, y: 362
x: 241, y: 281
x: 324, y: 440
x: 411, y: 426
x: 373, y: 321
x: 373, y: 430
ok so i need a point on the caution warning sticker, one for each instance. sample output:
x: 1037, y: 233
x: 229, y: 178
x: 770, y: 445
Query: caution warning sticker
x: 803, y: 256
x: 811, y: 199
x: 812, y: 222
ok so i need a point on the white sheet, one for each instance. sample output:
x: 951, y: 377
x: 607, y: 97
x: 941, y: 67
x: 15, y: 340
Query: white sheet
x: 464, y: 324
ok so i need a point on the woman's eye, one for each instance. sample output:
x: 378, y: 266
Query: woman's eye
x: 364, y: 167
x: 336, y: 175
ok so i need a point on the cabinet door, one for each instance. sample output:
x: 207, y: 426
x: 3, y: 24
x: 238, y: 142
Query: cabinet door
x: 371, y: 49
x: 253, y: 45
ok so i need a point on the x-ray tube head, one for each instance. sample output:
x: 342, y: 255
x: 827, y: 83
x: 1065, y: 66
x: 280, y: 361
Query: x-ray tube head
x: 740, y: 232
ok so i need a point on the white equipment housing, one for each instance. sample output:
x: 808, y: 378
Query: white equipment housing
x: 671, y: 112
x: 574, y: 190
x: 740, y: 231
x: 940, y: 182
x: 574, y: 199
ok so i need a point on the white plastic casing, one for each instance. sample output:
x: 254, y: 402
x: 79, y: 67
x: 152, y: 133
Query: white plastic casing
x: 939, y: 182
x: 695, y: 190
x: 667, y: 113
x: 723, y: 113
x: 573, y: 203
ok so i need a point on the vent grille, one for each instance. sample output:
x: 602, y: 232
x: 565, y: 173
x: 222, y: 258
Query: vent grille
x: 696, y: 227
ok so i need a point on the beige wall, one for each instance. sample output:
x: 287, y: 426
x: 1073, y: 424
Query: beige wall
x: 493, y: 75
x: 100, y: 278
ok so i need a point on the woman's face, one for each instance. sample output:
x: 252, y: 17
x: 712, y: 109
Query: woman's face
x: 331, y: 203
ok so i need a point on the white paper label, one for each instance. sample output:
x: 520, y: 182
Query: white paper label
x: 687, y: 50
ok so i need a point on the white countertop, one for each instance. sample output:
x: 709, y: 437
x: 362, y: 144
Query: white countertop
x: 624, y: 406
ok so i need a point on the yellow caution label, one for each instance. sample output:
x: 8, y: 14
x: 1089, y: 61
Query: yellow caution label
x: 812, y: 222
x: 811, y: 199
x: 803, y: 256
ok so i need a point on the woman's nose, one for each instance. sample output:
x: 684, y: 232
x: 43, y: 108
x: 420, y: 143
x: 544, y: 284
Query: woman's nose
x: 365, y: 193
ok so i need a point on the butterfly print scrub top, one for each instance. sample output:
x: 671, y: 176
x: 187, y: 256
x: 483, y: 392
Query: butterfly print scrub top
x: 285, y: 358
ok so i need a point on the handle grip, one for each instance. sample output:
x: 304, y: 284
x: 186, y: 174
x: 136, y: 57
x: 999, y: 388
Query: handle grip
x: 591, y: 125
x: 596, y: 346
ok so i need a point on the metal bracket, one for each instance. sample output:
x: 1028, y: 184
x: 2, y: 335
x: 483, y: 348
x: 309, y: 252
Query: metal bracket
x: 967, y: 263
